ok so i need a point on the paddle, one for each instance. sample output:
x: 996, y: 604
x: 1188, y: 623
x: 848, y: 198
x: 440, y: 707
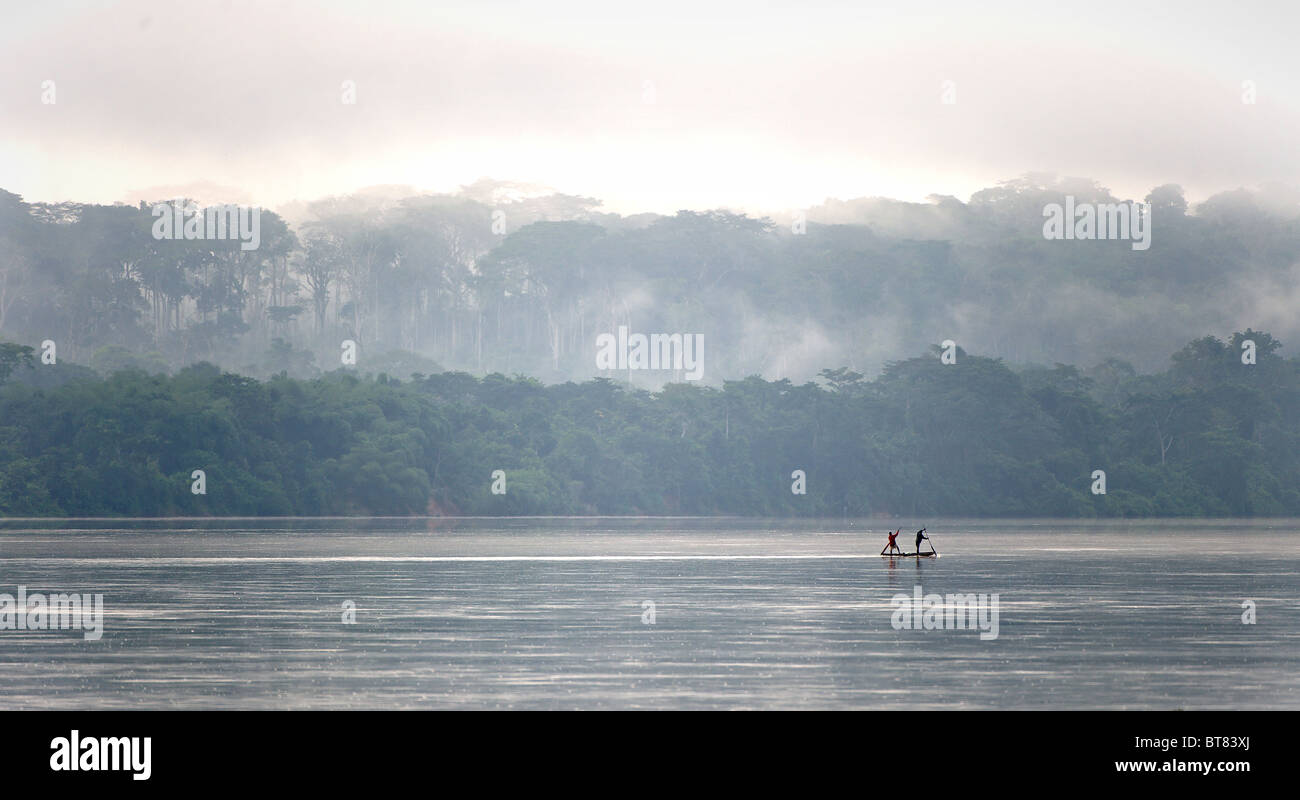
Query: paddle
x: 931, y: 540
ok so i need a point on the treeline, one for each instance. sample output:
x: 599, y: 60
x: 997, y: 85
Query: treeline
x: 1209, y: 436
x: 485, y: 281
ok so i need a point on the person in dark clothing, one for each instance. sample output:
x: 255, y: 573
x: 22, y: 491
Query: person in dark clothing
x: 919, y: 536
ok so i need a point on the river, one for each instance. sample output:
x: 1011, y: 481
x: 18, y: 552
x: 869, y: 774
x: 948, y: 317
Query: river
x: 602, y: 613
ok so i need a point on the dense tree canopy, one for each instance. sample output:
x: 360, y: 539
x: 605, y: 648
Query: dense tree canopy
x: 1209, y: 436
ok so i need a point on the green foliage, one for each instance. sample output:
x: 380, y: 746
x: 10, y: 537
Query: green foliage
x: 1209, y: 437
x: 13, y: 356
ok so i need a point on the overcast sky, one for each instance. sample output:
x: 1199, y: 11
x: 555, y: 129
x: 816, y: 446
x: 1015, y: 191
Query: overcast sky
x: 664, y: 105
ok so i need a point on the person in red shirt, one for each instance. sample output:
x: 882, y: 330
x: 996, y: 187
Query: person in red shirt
x: 891, y: 544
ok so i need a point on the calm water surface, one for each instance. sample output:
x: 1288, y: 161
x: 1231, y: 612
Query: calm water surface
x: 548, y: 613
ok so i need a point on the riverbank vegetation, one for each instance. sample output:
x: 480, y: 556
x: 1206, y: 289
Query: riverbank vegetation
x: 1209, y: 436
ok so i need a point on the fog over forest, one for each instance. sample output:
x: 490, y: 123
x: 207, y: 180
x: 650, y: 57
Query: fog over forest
x: 517, y: 279
x: 335, y: 259
x: 385, y: 352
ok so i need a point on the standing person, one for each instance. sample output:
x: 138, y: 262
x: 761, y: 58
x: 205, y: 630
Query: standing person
x: 892, y: 545
x: 919, y: 536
